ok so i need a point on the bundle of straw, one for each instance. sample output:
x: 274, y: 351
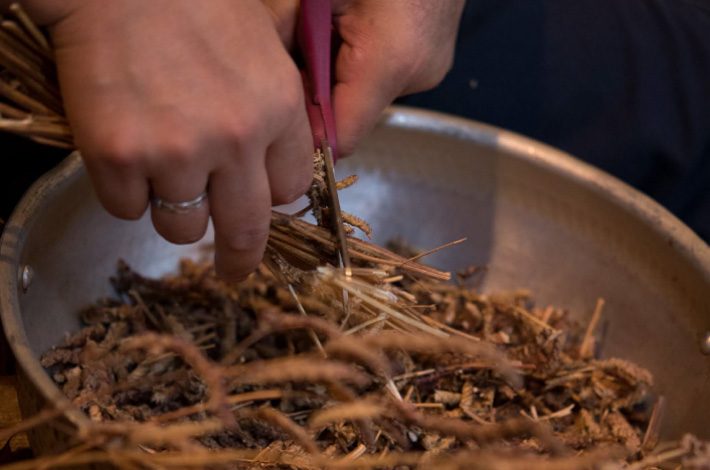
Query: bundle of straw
x: 32, y: 105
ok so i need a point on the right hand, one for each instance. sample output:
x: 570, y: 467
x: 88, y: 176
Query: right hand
x: 174, y: 97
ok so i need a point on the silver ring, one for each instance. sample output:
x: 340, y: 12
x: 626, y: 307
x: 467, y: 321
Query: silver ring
x: 180, y: 207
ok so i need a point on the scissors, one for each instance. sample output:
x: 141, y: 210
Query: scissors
x: 314, y: 36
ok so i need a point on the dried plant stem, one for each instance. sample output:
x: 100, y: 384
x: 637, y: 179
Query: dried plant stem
x: 232, y: 400
x: 653, y: 460
x: 32, y: 78
x: 10, y: 111
x: 292, y: 251
x: 297, y: 369
x: 346, y: 182
x: 32, y: 422
x: 362, y: 291
x: 359, y: 250
x: 533, y: 319
x: 19, y: 48
x: 66, y: 455
x: 456, y: 461
x: 30, y: 26
x: 650, y: 438
x: 158, y: 343
x: 22, y: 100
x: 283, y: 422
x: 434, y: 344
x: 455, y: 367
x: 378, y: 319
x: 12, y: 58
x: 312, y: 333
x: 449, y: 329
x: 37, y: 128
x: 22, y: 37
x: 587, y: 347
x: 52, y: 142
x: 439, y: 248
x: 360, y: 409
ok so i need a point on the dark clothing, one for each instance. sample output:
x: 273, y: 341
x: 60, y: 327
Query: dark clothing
x: 621, y: 84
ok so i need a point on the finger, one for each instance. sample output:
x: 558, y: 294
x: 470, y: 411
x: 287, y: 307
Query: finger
x: 366, y: 83
x: 123, y: 191
x: 241, y: 212
x: 175, y: 186
x: 289, y: 161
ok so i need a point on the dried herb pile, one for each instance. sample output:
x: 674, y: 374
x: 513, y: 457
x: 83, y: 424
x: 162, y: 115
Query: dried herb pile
x: 205, y: 365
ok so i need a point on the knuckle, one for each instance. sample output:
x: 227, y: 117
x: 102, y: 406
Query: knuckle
x: 238, y: 133
x: 262, y: 115
x: 287, y: 97
x: 117, y: 150
x: 291, y: 96
x: 180, y: 149
x: 123, y: 150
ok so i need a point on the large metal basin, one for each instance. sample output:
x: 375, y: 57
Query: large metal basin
x: 535, y: 216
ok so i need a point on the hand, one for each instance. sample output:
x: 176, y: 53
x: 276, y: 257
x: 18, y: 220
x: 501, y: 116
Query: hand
x: 389, y: 48
x: 171, y: 98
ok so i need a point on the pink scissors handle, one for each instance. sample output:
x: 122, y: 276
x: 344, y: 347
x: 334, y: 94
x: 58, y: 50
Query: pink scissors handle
x: 314, y: 39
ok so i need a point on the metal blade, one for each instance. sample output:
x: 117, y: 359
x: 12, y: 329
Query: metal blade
x: 336, y: 213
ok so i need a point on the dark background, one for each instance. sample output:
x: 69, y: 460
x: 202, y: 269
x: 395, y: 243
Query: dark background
x: 21, y: 163
x: 623, y: 85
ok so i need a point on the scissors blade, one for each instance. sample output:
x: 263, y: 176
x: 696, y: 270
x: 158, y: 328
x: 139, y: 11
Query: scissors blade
x: 336, y: 214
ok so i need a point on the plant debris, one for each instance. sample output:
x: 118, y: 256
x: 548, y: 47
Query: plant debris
x: 414, y: 367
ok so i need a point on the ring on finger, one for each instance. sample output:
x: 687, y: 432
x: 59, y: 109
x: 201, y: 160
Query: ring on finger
x: 180, y: 207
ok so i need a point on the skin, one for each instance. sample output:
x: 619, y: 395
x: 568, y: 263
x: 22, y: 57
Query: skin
x: 169, y: 97
x: 390, y: 48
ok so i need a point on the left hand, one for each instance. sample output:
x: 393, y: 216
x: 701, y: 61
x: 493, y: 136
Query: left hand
x: 389, y: 48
